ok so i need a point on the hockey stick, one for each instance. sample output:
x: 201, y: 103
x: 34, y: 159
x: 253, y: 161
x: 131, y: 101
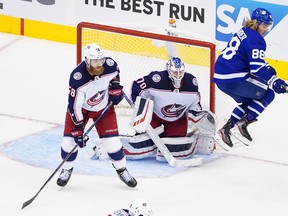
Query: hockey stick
x: 163, y: 148
x: 28, y: 202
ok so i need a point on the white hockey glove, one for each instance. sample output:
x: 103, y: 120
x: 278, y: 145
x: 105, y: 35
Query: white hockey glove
x: 204, y: 121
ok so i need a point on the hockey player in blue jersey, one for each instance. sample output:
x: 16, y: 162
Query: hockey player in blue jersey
x: 93, y: 83
x: 176, y: 100
x: 137, y: 208
x: 242, y: 73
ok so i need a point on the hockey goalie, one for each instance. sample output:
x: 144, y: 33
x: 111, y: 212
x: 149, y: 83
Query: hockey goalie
x: 169, y: 101
x: 166, y: 104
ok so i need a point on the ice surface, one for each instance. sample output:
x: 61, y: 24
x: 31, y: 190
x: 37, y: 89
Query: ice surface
x: 34, y: 77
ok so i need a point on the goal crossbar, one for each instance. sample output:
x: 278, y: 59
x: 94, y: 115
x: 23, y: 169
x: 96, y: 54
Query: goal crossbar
x: 155, y: 36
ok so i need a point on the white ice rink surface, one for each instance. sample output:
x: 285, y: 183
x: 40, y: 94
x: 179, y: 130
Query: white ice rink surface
x: 33, y: 85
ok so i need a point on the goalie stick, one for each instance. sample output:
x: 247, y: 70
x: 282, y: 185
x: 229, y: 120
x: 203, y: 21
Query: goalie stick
x: 28, y: 202
x: 163, y: 148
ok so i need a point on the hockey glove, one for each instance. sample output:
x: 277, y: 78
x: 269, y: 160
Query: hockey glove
x: 77, y: 133
x: 271, y: 69
x: 279, y: 86
x: 115, y: 94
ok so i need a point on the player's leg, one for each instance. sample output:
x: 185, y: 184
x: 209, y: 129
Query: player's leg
x: 67, y: 145
x: 254, y: 96
x: 108, y: 132
x: 254, y: 109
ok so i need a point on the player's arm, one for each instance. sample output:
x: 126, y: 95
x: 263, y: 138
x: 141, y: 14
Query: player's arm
x: 75, y: 102
x: 139, y: 88
x: 115, y: 90
x: 260, y: 68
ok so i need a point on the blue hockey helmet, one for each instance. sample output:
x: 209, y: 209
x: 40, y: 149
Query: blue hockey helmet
x: 176, y: 70
x: 262, y: 16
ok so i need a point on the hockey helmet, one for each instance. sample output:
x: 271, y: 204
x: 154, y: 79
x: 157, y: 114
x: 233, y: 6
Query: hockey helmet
x: 262, y: 16
x: 94, y: 58
x: 176, y: 70
x: 140, y: 208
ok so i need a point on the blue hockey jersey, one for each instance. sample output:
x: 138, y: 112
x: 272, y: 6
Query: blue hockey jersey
x: 243, y: 56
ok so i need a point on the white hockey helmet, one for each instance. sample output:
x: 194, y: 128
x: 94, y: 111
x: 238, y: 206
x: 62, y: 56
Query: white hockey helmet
x: 140, y: 208
x: 94, y: 59
x: 176, y: 70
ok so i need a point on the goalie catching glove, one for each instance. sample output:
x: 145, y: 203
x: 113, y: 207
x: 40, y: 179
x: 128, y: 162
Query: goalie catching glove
x: 77, y: 134
x: 115, y: 93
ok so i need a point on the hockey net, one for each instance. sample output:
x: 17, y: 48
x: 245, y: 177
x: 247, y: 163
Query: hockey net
x: 138, y: 51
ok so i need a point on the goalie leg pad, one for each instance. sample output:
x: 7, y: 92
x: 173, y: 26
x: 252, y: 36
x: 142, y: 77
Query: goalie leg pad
x: 180, y: 147
x: 141, y: 150
x: 140, y: 146
x: 205, y: 144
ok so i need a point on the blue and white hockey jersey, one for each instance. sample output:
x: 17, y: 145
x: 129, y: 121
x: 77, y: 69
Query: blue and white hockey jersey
x: 244, y: 55
x: 90, y: 92
x: 169, y: 103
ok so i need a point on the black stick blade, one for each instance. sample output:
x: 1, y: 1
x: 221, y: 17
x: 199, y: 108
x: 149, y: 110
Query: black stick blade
x: 28, y: 202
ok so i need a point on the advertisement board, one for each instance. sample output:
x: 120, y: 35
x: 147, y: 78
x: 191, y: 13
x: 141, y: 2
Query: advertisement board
x: 215, y: 19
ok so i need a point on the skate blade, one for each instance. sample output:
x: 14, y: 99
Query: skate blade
x: 219, y: 142
x: 238, y: 136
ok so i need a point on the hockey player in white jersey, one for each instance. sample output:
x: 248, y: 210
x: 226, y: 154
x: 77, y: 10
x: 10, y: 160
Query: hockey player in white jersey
x: 242, y: 73
x: 93, y: 83
x: 176, y: 103
x: 137, y: 208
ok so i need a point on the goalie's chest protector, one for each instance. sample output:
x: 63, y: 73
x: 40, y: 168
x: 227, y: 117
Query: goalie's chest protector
x: 170, y: 103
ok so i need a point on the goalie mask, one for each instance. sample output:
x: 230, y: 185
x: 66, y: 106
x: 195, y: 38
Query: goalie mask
x: 140, y: 208
x: 94, y: 59
x: 176, y: 71
x: 262, y: 16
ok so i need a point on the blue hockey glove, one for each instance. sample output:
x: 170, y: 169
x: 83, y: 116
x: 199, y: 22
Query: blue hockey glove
x: 77, y: 133
x: 115, y: 94
x: 280, y: 86
x: 271, y: 69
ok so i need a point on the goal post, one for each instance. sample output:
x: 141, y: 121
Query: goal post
x: 139, y: 52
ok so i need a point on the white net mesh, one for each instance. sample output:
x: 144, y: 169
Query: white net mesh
x: 138, y: 54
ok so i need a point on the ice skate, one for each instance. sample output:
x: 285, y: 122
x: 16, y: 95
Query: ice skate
x: 225, y: 136
x: 64, y: 177
x: 126, y: 177
x: 243, y: 134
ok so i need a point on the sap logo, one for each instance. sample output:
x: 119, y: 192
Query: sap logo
x: 229, y: 20
x: 231, y: 26
x: 44, y: 2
